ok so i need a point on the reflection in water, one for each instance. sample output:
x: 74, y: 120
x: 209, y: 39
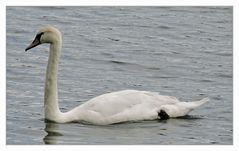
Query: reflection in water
x: 53, y: 133
x: 191, y: 117
x: 93, y: 134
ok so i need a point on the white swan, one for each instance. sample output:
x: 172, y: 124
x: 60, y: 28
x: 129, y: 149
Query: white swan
x: 115, y: 107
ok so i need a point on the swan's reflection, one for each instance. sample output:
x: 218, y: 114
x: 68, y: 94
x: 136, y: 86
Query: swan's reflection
x: 53, y: 133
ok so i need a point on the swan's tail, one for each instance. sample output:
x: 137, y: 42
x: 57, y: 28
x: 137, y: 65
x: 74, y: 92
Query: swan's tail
x: 182, y: 108
x: 193, y: 105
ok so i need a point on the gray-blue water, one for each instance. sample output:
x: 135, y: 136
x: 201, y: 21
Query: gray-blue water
x: 180, y: 51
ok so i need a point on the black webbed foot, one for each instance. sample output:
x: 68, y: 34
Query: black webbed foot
x: 163, y: 115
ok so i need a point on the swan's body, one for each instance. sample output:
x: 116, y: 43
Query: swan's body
x: 115, y: 107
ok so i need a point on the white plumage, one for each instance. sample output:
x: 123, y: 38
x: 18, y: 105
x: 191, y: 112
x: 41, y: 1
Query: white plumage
x: 115, y: 107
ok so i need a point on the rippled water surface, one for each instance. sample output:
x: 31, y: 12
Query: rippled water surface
x: 181, y: 51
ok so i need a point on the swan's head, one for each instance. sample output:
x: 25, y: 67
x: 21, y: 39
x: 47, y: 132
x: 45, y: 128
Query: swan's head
x: 47, y: 34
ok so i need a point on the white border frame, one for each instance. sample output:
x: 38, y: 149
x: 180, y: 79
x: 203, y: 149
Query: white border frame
x: 3, y: 5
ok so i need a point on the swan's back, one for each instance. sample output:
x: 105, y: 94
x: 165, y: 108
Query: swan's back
x: 116, y: 102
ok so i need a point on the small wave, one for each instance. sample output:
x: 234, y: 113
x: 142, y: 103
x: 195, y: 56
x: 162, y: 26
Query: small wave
x: 225, y: 75
x: 113, y: 39
x: 107, y: 54
x: 190, y: 117
x: 164, y: 27
x: 134, y: 65
x: 52, y: 8
x: 218, y: 97
x: 154, y: 68
x: 206, y: 80
x: 20, y: 31
x: 224, y: 54
x: 118, y: 62
x: 167, y: 77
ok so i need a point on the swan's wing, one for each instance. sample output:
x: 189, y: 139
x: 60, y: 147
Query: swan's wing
x: 116, y: 102
x: 128, y: 105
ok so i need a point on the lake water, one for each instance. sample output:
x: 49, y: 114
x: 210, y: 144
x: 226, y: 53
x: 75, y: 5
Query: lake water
x: 180, y: 51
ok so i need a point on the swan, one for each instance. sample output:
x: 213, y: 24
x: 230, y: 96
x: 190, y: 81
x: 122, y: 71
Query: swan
x: 109, y: 108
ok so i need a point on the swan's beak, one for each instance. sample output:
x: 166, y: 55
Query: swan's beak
x: 35, y: 42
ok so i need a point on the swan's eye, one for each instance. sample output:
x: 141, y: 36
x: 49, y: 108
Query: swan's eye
x: 38, y: 36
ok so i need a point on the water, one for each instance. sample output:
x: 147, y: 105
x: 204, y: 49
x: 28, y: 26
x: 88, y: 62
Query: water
x: 181, y: 51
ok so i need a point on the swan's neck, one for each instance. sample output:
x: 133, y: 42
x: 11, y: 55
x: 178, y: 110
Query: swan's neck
x: 51, y: 106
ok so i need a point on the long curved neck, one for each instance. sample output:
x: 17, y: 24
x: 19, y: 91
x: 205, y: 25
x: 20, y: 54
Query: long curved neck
x: 51, y: 106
